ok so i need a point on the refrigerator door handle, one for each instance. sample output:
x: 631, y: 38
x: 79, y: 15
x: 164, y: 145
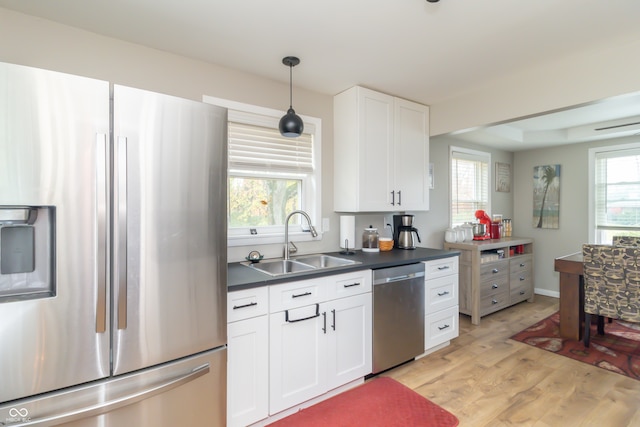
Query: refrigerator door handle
x: 121, y: 235
x: 111, y: 405
x: 101, y: 212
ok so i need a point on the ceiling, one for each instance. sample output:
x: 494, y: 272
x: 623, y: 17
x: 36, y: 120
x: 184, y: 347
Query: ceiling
x: 426, y: 52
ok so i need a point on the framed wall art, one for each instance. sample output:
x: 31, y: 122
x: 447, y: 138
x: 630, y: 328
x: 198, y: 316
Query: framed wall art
x: 503, y: 177
x: 546, y: 196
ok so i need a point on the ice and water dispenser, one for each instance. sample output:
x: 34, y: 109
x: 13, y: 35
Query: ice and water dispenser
x: 27, y: 252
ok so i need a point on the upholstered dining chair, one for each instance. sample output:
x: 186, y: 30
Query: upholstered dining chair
x: 626, y: 241
x: 611, y: 285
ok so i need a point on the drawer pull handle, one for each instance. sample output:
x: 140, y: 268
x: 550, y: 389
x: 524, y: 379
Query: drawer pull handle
x: 494, y: 302
x: 333, y: 326
x: 286, y: 316
x: 301, y: 295
x: 251, y: 304
x: 495, y: 270
x: 494, y: 286
x: 521, y: 278
x: 443, y: 327
x: 522, y: 264
x: 441, y: 294
x: 352, y: 284
x: 324, y: 322
x: 444, y: 267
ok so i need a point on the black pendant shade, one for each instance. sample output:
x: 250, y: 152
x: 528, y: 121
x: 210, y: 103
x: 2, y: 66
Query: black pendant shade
x: 291, y: 124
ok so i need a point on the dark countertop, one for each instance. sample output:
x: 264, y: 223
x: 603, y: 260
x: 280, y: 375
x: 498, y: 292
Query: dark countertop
x: 241, y: 276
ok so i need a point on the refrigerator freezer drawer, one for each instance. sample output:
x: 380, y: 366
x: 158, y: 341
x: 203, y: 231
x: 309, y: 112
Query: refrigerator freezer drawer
x: 188, y: 392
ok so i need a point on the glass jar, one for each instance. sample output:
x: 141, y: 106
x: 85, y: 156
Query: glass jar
x: 370, y: 240
x: 506, y: 227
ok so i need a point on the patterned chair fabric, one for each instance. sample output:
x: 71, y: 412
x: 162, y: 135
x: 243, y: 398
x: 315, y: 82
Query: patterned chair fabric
x: 628, y: 241
x: 612, y: 281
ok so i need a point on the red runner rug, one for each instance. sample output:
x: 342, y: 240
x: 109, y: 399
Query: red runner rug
x: 618, y: 350
x: 380, y: 402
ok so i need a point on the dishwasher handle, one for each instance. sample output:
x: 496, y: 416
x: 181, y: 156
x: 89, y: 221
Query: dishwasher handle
x: 400, y: 278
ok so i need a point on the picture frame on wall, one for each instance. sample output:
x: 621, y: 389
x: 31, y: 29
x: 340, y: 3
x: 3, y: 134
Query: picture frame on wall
x: 546, y: 196
x: 503, y: 177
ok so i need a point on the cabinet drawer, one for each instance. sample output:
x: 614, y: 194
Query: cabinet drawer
x: 296, y: 294
x: 493, y: 303
x: 344, y: 285
x: 440, y: 327
x: 521, y: 263
x: 441, y: 293
x: 493, y: 269
x: 496, y: 285
x: 521, y: 291
x: 440, y: 267
x: 247, y: 303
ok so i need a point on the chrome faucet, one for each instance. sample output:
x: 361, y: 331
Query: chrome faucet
x: 313, y: 231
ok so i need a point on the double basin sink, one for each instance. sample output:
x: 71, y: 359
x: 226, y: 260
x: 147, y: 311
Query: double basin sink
x: 278, y: 267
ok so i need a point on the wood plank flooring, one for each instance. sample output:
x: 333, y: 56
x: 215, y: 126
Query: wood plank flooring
x: 486, y: 379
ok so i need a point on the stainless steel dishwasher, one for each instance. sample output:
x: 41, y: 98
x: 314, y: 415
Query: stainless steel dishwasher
x: 398, y: 315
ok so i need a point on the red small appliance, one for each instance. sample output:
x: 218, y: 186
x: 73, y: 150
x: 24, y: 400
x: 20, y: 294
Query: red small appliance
x: 483, y: 218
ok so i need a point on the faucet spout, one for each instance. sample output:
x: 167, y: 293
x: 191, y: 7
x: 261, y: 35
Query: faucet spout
x: 312, y: 229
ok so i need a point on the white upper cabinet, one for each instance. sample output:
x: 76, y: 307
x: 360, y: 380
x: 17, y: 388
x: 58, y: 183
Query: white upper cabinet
x: 381, y: 153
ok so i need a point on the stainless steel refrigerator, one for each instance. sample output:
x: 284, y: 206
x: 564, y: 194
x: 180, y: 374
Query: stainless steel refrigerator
x: 112, y: 254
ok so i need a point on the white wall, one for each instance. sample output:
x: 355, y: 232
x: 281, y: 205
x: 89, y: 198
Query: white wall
x: 573, y: 230
x: 45, y: 44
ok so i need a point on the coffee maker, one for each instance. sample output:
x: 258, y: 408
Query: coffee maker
x: 403, y: 230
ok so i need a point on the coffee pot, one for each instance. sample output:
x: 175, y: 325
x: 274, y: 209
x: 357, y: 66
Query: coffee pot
x: 403, y: 232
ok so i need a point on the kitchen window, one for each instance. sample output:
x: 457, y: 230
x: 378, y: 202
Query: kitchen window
x: 614, y: 192
x: 270, y: 176
x: 469, y: 184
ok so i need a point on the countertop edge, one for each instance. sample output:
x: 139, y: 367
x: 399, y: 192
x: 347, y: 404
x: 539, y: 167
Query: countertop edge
x: 241, y: 277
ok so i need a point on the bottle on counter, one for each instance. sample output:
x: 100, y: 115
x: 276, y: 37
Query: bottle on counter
x: 506, y: 227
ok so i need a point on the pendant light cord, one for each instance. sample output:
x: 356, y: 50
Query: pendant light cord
x: 290, y: 86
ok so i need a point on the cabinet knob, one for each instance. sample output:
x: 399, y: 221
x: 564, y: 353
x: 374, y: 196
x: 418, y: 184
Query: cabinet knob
x: 494, y: 302
x: 521, y: 278
x: 495, y: 270
x: 522, y: 264
x: 494, y: 286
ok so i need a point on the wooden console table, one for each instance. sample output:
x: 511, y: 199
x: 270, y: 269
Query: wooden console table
x: 494, y: 274
x: 571, y: 295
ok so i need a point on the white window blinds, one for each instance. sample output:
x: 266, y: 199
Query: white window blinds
x: 260, y: 148
x: 469, y: 185
x: 617, y: 190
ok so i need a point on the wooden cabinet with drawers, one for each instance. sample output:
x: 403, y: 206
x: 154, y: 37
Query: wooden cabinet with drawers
x: 494, y: 274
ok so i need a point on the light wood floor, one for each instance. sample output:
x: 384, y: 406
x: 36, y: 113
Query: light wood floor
x: 486, y: 379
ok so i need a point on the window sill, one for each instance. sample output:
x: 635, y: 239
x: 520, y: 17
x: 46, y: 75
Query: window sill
x: 270, y: 239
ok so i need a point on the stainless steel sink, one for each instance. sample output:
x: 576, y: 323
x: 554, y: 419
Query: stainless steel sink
x: 325, y: 261
x: 278, y: 267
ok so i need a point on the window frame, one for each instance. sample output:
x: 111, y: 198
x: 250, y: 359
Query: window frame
x: 311, y: 192
x: 474, y: 155
x: 594, y: 235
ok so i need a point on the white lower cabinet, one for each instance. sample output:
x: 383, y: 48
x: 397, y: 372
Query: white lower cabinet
x: 441, y: 302
x: 291, y: 342
x: 247, y: 355
x: 318, y: 347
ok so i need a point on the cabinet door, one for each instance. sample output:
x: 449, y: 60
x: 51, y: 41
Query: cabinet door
x: 411, y: 155
x: 349, y: 342
x: 248, y: 371
x: 297, y: 356
x: 375, y: 154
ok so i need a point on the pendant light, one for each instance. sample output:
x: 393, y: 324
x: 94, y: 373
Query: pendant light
x: 291, y: 124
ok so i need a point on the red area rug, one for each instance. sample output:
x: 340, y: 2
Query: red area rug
x: 618, y: 350
x: 380, y: 402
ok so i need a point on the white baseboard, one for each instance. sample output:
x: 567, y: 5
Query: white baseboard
x: 546, y: 292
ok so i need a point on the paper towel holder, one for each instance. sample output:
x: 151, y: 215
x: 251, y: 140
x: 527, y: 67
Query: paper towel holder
x: 346, y: 250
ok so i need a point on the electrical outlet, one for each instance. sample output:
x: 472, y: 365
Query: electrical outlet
x: 388, y: 219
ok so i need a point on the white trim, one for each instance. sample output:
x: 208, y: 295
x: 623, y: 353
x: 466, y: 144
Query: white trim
x: 591, y: 181
x: 472, y: 153
x: 312, y: 189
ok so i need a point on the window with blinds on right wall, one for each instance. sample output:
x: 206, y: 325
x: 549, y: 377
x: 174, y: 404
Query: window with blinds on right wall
x: 469, y: 184
x: 614, y: 196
